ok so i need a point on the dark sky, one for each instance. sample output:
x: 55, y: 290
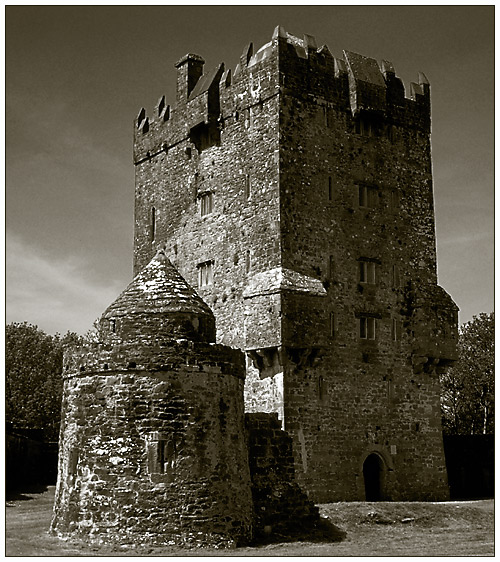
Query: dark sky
x: 76, y: 77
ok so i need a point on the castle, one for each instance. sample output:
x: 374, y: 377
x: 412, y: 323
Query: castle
x: 295, y: 194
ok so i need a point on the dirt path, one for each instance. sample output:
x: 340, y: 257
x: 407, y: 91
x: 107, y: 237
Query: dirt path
x: 372, y: 529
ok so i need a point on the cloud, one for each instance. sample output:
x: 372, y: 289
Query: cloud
x: 55, y: 294
x: 467, y: 239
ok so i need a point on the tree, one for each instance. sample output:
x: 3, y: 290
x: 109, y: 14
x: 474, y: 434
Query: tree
x: 33, y: 385
x: 468, y: 387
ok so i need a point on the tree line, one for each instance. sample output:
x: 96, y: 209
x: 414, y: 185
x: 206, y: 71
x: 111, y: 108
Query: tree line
x: 33, y: 378
x: 468, y: 387
x: 34, y: 382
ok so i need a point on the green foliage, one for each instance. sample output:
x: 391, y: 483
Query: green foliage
x: 468, y: 387
x: 33, y: 383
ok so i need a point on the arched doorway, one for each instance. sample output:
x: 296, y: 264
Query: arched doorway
x: 373, y: 474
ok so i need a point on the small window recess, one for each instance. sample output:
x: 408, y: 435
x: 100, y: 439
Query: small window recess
x: 369, y: 124
x: 322, y: 389
x: 396, y: 277
x: 112, y: 325
x: 204, y: 136
x: 167, y: 455
x: 328, y: 117
x: 367, y: 327
x: 331, y: 268
x: 248, y: 262
x: 206, y: 203
x: 205, y: 274
x: 367, y: 196
x: 74, y: 457
x: 332, y: 325
x: 396, y: 330
x: 250, y: 118
x: 390, y: 390
x: 394, y: 201
x: 367, y: 272
x: 389, y: 133
x: 195, y: 186
x: 162, y: 455
x: 330, y: 188
x: 153, y: 224
x: 248, y: 186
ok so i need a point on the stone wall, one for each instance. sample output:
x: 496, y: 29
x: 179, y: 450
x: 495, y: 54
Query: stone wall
x: 155, y: 456
x: 337, y: 423
x: 470, y: 460
x: 281, y: 508
x: 28, y: 461
x: 352, y: 196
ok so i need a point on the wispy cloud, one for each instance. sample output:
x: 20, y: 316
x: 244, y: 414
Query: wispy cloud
x: 55, y: 294
x: 467, y: 239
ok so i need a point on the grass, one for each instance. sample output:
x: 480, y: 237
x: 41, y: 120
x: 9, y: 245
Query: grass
x: 369, y: 529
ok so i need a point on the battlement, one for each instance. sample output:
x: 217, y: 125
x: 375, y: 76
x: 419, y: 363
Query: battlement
x: 206, y: 101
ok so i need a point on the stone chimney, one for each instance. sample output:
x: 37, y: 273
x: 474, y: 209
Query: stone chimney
x: 189, y: 71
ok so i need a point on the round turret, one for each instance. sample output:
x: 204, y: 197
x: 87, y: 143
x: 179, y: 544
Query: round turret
x: 153, y: 447
x: 158, y: 305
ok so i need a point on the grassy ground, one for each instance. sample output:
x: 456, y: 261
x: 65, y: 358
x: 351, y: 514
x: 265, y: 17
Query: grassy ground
x: 376, y: 529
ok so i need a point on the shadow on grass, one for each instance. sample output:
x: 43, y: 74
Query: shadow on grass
x: 20, y: 494
x: 323, y: 532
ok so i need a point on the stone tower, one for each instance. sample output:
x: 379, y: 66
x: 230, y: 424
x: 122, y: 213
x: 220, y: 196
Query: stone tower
x: 153, y: 445
x: 296, y: 194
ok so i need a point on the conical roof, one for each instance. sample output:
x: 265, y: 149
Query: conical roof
x: 159, y: 304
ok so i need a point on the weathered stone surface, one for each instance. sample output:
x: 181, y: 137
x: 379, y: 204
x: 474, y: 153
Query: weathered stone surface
x: 296, y: 194
x: 316, y: 165
x: 158, y: 304
x: 153, y: 445
x: 281, y: 508
x: 111, y: 485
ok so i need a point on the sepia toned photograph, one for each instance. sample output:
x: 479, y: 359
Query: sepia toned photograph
x: 249, y: 268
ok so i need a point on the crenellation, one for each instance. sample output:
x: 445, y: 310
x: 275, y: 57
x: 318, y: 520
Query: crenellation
x: 373, y: 87
x: 245, y: 56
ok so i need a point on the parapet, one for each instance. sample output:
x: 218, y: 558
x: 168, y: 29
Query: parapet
x: 293, y: 66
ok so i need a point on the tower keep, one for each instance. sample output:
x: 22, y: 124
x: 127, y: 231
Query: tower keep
x: 296, y: 195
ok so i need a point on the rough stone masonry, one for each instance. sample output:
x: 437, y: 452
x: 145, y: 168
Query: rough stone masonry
x: 296, y: 195
x: 155, y: 447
